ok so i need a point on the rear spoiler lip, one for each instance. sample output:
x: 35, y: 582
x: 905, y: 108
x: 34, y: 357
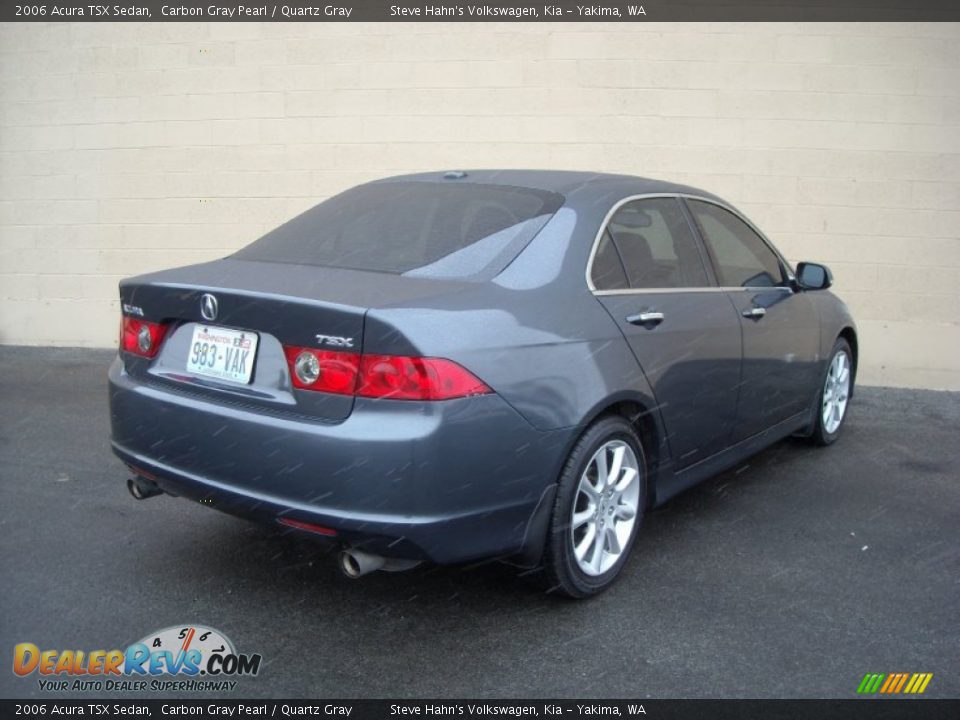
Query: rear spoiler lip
x: 313, y: 286
x: 258, y: 294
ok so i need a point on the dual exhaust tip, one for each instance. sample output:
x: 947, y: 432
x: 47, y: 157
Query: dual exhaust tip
x: 353, y: 563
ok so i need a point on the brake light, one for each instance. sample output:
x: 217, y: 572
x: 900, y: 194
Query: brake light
x: 380, y: 376
x: 414, y: 378
x: 141, y: 337
x: 322, y: 370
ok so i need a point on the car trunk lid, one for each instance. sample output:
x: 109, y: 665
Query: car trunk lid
x: 271, y: 305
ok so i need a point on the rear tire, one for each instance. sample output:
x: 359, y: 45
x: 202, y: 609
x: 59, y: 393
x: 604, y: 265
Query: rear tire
x: 598, y: 509
x: 834, y: 397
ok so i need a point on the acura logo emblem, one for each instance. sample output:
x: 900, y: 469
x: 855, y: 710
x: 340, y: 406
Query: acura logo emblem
x: 208, y: 306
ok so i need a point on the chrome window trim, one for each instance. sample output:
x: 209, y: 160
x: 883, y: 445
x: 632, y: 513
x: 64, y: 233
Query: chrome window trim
x: 713, y: 288
x: 603, y: 226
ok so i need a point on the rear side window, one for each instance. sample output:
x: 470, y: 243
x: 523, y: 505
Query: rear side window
x: 428, y: 229
x: 656, y: 245
x: 742, y: 258
x: 608, y: 272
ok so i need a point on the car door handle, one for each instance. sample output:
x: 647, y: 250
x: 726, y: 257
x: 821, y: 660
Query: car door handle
x: 645, y: 318
x: 754, y: 313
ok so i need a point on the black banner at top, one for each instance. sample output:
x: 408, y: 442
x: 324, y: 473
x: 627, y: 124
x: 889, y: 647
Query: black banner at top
x: 478, y: 10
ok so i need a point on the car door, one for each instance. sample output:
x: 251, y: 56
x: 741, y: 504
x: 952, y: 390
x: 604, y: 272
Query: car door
x: 651, y: 276
x: 780, y: 325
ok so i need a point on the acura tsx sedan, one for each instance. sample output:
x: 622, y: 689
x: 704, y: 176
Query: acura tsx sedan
x: 488, y: 364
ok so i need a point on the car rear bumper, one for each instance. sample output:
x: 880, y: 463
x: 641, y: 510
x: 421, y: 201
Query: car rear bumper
x: 444, y: 481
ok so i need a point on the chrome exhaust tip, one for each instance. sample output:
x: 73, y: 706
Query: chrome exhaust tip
x: 141, y: 488
x: 356, y: 563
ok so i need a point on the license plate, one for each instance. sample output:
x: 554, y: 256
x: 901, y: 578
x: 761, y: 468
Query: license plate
x: 222, y: 353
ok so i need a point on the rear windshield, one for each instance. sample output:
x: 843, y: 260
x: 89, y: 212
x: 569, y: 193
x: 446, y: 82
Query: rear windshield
x: 427, y: 229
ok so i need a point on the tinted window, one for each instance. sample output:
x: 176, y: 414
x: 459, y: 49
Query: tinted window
x: 417, y: 228
x: 608, y: 272
x: 656, y: 244
x: 741, y: 256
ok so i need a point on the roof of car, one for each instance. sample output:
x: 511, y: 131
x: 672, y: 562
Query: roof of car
x: 565, y: 182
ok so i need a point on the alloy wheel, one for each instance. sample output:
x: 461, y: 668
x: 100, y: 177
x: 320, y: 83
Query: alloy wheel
x: 836, y: 392
x: 605, y: 507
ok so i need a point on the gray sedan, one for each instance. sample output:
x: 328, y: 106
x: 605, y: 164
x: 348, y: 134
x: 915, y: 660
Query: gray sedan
x: 485, y: 364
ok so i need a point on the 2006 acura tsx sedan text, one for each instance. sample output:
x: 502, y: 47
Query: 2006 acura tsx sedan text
x: 487, y: 364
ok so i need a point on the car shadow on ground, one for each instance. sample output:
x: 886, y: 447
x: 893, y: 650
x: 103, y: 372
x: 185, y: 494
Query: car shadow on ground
x: 282, y: 564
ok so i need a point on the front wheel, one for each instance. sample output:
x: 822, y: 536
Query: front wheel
x: 834, y: 394
x: 599, y: 506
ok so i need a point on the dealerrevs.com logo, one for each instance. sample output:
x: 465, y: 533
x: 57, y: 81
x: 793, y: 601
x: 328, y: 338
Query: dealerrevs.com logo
x: 178, y: 658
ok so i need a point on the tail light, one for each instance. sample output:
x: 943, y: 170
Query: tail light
x: 414, y: 378
x: 323, y: 370
x: 380, y: 376
x: 141, y: 337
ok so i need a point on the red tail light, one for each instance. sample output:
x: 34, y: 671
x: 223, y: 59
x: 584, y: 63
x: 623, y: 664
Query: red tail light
x: 380, y: 376
x: 322, y: 370
x: 413, y: 378
x: 141, y: 337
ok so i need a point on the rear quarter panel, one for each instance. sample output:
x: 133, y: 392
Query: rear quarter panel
x: 535, y: 334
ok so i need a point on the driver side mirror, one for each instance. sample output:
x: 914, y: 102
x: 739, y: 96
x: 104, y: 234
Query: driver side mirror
x: 813, y: 276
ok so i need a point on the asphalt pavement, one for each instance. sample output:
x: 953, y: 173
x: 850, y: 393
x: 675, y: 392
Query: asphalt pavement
x: 792, y: 575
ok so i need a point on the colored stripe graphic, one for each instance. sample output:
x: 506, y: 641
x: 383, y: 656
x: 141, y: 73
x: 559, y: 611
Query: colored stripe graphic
x: 894, y: 683
x: 918, y: 683
x: 870, y: 683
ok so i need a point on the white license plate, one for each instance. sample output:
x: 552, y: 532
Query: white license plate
x: 222, y: 353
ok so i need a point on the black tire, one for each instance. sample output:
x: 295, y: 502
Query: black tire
x: 561, y: 571
x: 821, y: 435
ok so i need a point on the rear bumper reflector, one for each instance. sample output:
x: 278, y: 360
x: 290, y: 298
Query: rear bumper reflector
x: 309, y: 527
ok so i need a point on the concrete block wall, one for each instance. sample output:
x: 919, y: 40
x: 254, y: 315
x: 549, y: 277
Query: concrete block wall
x: 126, y: 148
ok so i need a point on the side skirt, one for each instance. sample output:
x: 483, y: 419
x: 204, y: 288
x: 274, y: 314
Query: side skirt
x: 669, y: 485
